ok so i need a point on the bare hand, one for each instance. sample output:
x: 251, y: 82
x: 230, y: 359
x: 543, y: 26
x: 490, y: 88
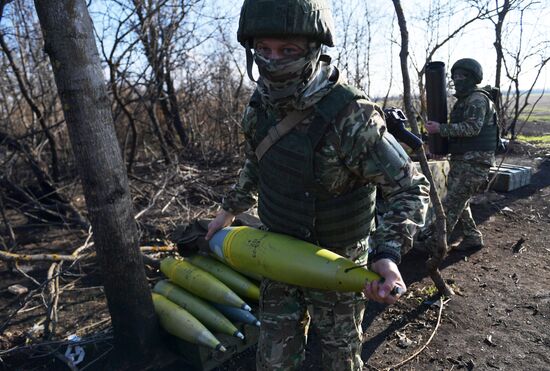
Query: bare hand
x: 432, y: 127
x: 381, y: 291
x: 222, y: 220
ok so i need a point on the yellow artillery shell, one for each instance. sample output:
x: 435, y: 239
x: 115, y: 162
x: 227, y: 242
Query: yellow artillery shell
x: 200, y: 309
x: 251, y: 275
x: 180, y: 323
x: 200, y: 283
x: 234, y: 280
x: 287, y: 259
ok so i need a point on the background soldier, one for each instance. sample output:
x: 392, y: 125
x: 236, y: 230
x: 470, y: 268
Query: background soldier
x: 318, y: 181
x: 473, y: 137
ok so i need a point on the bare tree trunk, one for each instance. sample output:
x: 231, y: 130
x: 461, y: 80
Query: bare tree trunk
x: 3, y: 3
x: 435, y: 261
x: 498, y: 39
x: 127, y: 113
x: 157, y: 53
x: 151, y: 110
x: 69, y: 42
x: 174, y: 108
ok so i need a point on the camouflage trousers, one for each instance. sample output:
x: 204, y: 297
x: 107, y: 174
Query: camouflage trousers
x: 464, y: 180
x: 286, y: 313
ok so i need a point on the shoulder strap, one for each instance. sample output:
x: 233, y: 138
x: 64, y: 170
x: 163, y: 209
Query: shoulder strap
x: 280, y: 130
x: 484, y: 92
x: 489, y: 96
x: 327, y: 108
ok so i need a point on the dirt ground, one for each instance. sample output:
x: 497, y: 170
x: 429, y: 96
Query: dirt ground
x: 499, y: 318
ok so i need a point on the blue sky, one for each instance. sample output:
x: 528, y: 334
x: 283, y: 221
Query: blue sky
x: 476, y: 41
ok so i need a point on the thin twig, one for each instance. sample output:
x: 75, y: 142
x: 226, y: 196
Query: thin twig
x: 25, y: 274
x: 92, y: 325
x: 415, y: 354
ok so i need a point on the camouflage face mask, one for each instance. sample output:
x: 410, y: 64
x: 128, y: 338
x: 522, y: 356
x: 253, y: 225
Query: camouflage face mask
x: 464, y: 84
x: 283, y: 78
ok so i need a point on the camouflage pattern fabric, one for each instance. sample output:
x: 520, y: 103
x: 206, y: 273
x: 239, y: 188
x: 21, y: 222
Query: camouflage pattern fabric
x: 346, y: 157
x: 465, y: 179
x: 476, y: 110
x: 469, y: 171
x: 282, y: 85
x: 287, y: 312
x: 266, y: 18
x: 343, y: 160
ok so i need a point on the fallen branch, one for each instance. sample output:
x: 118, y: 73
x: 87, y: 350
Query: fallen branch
x: 53, y: 299
x: 9, y: 256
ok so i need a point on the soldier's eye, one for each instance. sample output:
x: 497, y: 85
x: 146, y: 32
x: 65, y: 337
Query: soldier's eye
x: 263, y: 51
x: 458, y: 76
x: 292, y: 51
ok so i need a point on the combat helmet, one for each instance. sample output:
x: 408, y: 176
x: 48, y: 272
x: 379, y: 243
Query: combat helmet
x: 282, y: 18
x: 470, y: 65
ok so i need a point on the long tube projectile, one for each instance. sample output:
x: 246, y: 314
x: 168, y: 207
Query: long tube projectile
x: 200, y: 283
x: 237, y: 315
x: 287, y: 259
x: 200, y: 309
x: 235, y: 281
x: 180, y: 323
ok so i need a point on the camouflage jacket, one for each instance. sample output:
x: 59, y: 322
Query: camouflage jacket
x: 477, y: 111
x: 343, y: 161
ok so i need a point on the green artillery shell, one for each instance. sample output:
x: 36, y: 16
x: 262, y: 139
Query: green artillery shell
x: 200, y: 283
x: 287, y: 259
x: 235, y: 281
x: 204, y: 312
x: 180, y: 323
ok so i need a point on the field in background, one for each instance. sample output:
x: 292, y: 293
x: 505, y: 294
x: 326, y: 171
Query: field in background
x: 535, y: 128
x: 541, y: 112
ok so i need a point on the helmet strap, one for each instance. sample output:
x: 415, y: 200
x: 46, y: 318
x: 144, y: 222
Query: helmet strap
x: 249, y: 61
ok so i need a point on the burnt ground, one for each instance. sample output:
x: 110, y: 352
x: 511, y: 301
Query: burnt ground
x: 498, y: 319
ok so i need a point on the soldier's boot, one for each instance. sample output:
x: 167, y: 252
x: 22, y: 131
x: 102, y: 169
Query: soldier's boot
x: 473, y: 240
x: 470, y: 243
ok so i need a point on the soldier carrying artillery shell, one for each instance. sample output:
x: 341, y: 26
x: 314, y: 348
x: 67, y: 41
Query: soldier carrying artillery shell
x: 316, y: 151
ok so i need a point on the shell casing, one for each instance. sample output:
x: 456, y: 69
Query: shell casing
x: 237, y: 314
x: 234, y: 280
x: 287, y: 259
x: 180, y: 323
x: 199, y: 282
x: 200, y: 309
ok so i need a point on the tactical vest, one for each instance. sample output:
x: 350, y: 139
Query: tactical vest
x: 487, y: 138
x: 292, y: 201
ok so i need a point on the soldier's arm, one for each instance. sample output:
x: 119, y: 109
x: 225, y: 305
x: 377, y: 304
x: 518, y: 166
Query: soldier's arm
x: 474, y: 117
x: 373, y: 154
x: 243, y: 194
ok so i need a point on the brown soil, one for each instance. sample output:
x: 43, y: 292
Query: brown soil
x: 499, y: 318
